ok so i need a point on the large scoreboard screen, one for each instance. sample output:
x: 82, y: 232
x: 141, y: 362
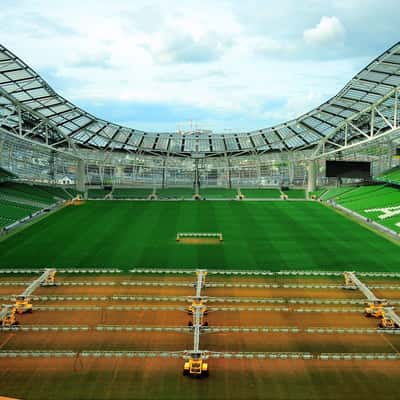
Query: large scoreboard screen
x: 348, y: 169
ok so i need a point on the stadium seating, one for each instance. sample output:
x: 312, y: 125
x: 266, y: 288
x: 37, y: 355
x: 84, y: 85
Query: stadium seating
x: 26, y: 193
x: 98, y: 193
x: 261, y: 193
x: 131, y: 193
x: 55, y: 191
x: 72, y: 192
x: 365, y: 197
x: 317, y: 193
x: 369, y: 200
x: 391, y: 176
x: 6, y: 175
x: 177, y: 193
x: 295, y: 193
x: 11, y: 212
x: 335, y: 192
x: 217, y: 193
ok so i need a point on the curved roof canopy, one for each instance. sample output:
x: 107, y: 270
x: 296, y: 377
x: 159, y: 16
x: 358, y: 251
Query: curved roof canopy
x: 22, y: 86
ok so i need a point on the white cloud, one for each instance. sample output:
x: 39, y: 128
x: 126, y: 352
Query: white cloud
x: 181, y: 47
x: 274, y: 48
x: 197, y: 54
x: 329, y: 30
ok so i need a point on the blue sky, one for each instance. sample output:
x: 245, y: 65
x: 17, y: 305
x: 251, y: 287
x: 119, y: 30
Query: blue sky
x: 225, y: 65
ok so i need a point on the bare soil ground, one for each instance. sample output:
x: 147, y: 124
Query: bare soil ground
x: 215, y: 318
x: 86, y: 378
x: 199, y: 241
x: 172, y: 341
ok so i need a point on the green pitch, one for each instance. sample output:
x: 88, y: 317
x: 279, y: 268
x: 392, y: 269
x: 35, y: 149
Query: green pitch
x: 263, y: 235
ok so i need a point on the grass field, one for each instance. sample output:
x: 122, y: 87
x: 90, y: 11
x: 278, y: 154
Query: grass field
x: 263, y: 235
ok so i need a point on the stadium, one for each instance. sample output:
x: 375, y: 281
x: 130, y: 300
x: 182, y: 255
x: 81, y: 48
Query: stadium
x: 134, y: 262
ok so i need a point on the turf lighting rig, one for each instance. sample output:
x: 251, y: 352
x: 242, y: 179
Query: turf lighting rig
x: 23, y: 301
x: 197, y: 301
x: 194, y: 360
x: 375, y: 305
x: 195, y: 364
x: 7, y: 315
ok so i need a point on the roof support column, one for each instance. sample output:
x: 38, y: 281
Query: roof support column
x: 311, y: 175
x: 80, y: 178
x: 164, y: 166
x: 228, y: 164
x: 290, y: 169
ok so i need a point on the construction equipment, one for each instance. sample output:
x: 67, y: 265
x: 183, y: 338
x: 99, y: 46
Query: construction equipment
x: 7, y: 315
x: 23, y: 301
x: 195, y: 364
x: 375, y: 304
x: 390, y: 320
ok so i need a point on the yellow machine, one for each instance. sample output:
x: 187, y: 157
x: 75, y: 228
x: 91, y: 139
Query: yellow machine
x: 50, y: 279
x: 195, y: 366
x: 76, y: 201
x: 23, y: 301
x: 387, y: 323
x: 7, y: 315
x: 201, y: 309
x: 197, y: 302
x: 23, y: 305
x: 390, y: 320
x: 375, y: 309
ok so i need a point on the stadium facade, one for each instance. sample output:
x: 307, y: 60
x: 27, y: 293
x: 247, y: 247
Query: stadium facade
x: 45, y: 138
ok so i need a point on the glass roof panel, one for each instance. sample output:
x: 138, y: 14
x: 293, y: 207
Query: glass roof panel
x: 204, y: 145
x: 148, y: 142
x: 8, y: 65
x: 367, y: 87
x: 217, y: 144
x: 162, y: 143
x: 18, y: 75
x: 230, y: 142
x: 175, y: 144
x: 245, y: 142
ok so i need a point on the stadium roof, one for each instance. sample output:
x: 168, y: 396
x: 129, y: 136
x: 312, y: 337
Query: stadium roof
x: 22, y: 86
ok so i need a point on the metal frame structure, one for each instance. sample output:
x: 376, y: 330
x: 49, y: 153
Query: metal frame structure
x: 33, y: 109
x: 365, y: 112
x: 376, y: 121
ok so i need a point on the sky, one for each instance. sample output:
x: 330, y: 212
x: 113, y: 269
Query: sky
x: 170, y: 65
